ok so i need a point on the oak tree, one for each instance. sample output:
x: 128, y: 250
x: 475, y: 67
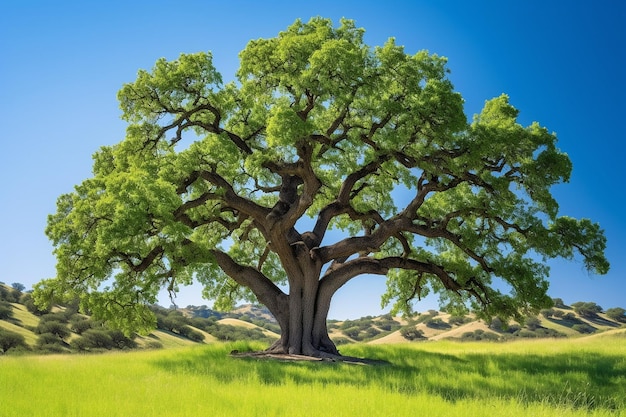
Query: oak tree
x: 324, y: 160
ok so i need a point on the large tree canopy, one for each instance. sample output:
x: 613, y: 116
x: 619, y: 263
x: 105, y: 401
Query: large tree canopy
x: 326, y: 159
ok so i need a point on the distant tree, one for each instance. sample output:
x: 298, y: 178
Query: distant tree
x: 238, y: 185
x: 53, y: 327
x: 584, y: 328
x: 496, y: 324
x: 4, y: 292
x: 18, y: 287
x: 587, y: 309
x: 10, y: 340
x: 558, y: 302
x: 457, y: 320
x: 93, y: 339
x: 411, y: 333
x: 547, y: 312
x: 49, y: 342
x: 571, y: 317
x: 6, y: 310
x: 191, y: 334
x: 58, y: 317
x: 80, y: 324
x: 437, y: 323
x: 532, y: 323
x: 616, y: 313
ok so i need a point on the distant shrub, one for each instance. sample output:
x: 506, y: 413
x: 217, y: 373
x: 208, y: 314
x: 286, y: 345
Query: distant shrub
x: 191, y: 334
x: 51, y: 343
x: 480, y: 335
x: 53, y: 317
x: 121, y: 341
x: 4, y: 292
x: 6, y: 310
x: 526, y: 333
x: 616, y: 313
x: 458, y: 320
x: 543, y: 332
x: 532, y: 323
x: 93, y: 339
x: 513, y: 328
x: 371, y: 332
x: 547, y: 312
x: 437, y: 323
x: 56, y: 328
x: 11, y: 340
x: 496, y: 324
x: 558, y: 313
x: 587, y: 309
x: 571, y: 317
x: 583, y: 328
x: 411, y: 333
x: 79, y: 324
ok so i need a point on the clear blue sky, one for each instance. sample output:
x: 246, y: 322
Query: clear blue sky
x: 62, y: 62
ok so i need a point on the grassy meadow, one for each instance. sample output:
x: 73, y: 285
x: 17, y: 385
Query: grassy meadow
x: 563, y: 377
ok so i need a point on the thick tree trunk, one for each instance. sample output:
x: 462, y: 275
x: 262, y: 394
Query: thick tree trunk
x: 303, y: 312
x: 303, y: 325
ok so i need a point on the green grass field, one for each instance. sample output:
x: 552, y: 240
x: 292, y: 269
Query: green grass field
x: 565, y: 377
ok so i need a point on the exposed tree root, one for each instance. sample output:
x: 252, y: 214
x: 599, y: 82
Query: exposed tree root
x: 323, y: 357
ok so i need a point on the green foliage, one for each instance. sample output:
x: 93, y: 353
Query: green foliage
x: 532, y: 323
x: 11, y: 340
x: 79, y: 324
x: 437, y: 323
x: 93, y: 339
x: 584, y: 328
x: 56, y: 328
x: 6, y: 310
x: 28, y: 301
x: 202, y: 163
x: 411, y: 333
x: 587, y: 309
x: 458, y: 320
x: 51, y: 343
x: 616, y: 313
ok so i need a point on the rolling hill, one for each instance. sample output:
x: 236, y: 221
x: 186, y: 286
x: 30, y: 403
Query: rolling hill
x: 63, y: 329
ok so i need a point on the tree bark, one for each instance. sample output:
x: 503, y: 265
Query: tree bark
x: 302, y: 314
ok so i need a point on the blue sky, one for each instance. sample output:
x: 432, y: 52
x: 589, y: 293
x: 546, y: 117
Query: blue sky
x: 563, y: 64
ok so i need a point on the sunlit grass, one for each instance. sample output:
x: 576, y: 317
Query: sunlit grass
x: 561, y: 378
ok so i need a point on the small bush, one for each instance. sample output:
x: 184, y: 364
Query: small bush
x: 616, y: 313
x: 6, y: 310
x: 532, y: 323
x: 56, y: 328
x: 583, y: 328
x: 457, y: 320
x: 93, y: 339
x: 79, y: 324
x: 411, y: 333
x: 51, y: 343
x: 11, y: 340
x: 437, y: 323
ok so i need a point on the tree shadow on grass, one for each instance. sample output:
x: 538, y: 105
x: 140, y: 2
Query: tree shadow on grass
x: 579, y: 380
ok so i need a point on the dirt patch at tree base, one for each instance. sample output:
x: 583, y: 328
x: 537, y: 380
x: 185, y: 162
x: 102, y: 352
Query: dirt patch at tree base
x: 288, y: 357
